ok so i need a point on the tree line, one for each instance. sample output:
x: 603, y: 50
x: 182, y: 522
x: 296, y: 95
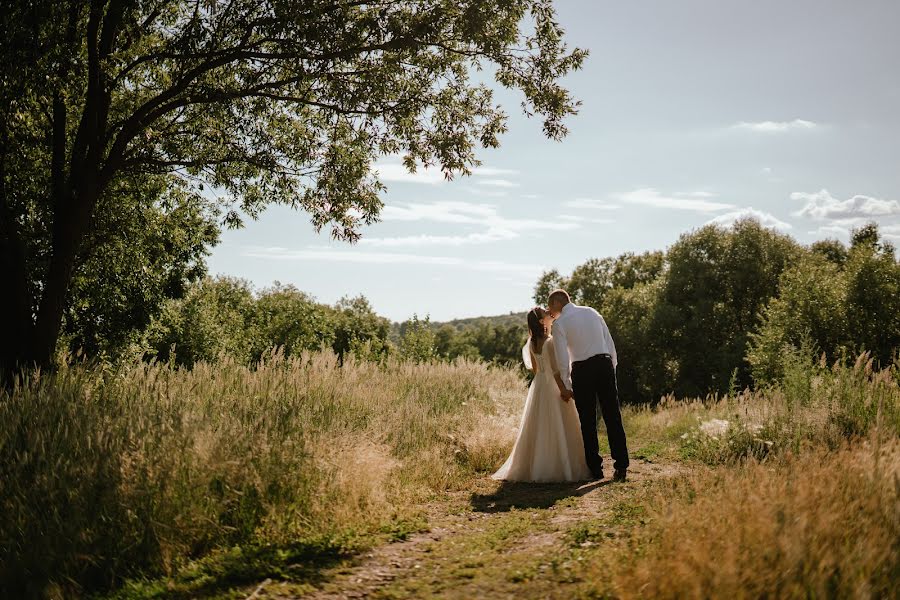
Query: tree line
x: 722, y: 307
x: 718, y: 310
x: 221, y: 316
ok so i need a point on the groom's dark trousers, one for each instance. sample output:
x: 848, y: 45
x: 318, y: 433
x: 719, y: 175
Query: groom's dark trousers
x: 594, y: 382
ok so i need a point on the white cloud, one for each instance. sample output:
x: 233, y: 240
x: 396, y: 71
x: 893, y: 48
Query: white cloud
x: 493, y: 171
x: 390, y: 171
x: 591, y: 203
x: 822, y: 205
x: 441, y: 212
x: 492, y: 235
x: 326, y: 254
x: 486, y: 192
x: 692, y: 201
x: 766, y: 219
x: 495, y: 227
x: 891, y: 232
x: 775, y: 126
x: 580, y: 219
x: 391, y: 168
x: 831, y: 231
x: 505, y: 183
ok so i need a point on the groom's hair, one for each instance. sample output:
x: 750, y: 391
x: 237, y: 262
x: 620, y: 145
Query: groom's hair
x: 561, y: 296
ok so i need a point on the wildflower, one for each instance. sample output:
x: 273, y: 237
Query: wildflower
x: 714, y: 427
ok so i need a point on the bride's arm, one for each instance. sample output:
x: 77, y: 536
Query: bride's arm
x: 556, y: 376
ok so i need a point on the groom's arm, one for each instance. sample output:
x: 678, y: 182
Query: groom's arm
x: 610, y: 344
x: 561, y: 346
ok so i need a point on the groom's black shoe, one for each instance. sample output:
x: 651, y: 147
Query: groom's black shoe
x: 597, y: 475
x: 620, y: 475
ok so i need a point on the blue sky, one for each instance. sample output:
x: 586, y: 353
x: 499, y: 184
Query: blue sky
x: 693, y: 112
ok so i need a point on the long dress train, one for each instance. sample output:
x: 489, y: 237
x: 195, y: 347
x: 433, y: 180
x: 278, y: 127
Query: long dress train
x: 548, y: 446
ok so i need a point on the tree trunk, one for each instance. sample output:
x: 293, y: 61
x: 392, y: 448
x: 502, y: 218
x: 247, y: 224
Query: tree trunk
x: 74, y: 196
x: 15, y: 303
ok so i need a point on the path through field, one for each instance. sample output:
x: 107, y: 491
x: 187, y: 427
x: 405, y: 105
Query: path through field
x: 496, y: 541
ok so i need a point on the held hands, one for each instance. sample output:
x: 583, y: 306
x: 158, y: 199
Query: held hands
x: 564, y: 392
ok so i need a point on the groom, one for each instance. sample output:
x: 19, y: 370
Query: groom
x: 580, y: 332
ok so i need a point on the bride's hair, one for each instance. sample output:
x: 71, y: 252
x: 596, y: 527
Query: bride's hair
x: 536, y: 329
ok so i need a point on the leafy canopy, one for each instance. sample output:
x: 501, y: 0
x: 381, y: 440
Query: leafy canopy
x: 277, y: 101
x: 251, y: 102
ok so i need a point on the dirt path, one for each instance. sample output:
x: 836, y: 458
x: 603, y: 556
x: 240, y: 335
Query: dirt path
x: 492, y: 541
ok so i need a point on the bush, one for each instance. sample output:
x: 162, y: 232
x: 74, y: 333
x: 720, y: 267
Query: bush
x: 840, y: 308
x: 816, y: 405
x: 417, y: 341
x: 224, y: 317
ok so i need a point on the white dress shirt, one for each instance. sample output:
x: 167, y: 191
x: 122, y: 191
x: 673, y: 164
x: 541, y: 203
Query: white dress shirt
x: 578, y: 334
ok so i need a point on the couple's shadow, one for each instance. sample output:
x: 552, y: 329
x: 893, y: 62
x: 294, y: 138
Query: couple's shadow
x: 523, y: 495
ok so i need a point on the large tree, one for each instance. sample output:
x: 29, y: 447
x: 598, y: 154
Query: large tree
x: 260, y: 101
x: 717, y: 282
x: 146, y: 245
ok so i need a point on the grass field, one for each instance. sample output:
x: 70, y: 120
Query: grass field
x: 303, y: 477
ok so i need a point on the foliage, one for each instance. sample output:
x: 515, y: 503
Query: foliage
x: 485, y: 339
x: 591, y: 281
x: 359, y: 330
x: 215, y: 318
x: 838, y: 307
x: 144, y: 248
x: 810, y: 310
x: 224, y: 316
x: 205, y: 478
x: 815, y: 403
x: 681, y: 319
x: 261, y: 100
x: 286, y: 318
x: 417, y: 341
x: 642, y: 372
x: 716, y: 283
x: 820, y: 524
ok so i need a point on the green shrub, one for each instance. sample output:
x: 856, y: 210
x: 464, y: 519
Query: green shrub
x: 816, y: 405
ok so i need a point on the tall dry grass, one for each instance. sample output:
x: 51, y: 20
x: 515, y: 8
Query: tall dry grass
x: 793, y: 492
x: 111, y: 472
x: 817, y: 405
x: 822, y: 524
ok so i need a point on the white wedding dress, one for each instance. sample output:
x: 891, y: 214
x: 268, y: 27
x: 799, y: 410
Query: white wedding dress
x: 548, y: 446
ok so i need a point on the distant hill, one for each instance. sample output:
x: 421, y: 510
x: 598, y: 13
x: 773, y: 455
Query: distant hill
x: 513, y: 318
x: 505, y: 320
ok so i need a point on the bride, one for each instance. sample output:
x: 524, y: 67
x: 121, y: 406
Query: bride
x: 549, y: 445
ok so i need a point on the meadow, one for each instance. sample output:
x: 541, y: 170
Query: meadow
x: 150, y: 481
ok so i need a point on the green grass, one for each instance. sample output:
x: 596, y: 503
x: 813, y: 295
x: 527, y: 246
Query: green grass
x: 227, y: 573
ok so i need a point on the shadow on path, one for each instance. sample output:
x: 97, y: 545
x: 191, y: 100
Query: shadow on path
x: 530, y: 495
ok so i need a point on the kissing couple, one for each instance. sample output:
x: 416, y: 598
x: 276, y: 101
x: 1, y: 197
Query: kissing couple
x: 574, y: 372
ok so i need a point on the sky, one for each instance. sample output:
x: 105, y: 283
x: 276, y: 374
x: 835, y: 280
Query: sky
x: 693, y: 111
